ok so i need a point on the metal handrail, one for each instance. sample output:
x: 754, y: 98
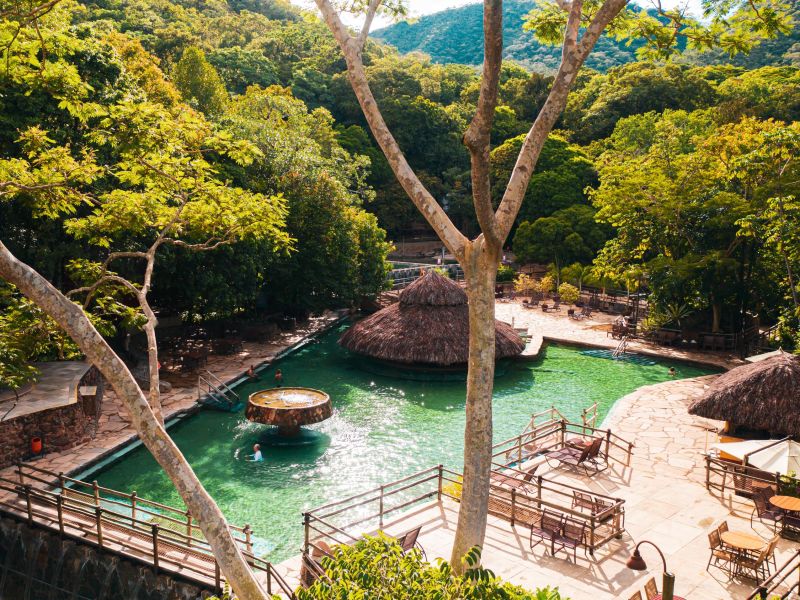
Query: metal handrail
x: 221, y: 384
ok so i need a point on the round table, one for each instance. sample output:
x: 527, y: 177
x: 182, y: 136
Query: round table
x: 789, y: 503
x: 742, y: 541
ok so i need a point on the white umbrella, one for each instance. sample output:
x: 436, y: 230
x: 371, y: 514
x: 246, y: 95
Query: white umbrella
x: 781, y: 458
x: 775, y: 456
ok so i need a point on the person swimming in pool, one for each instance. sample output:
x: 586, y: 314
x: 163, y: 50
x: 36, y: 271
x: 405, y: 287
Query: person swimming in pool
x: 672, y: 372
x: 257, y: 456
x: 278, y: 378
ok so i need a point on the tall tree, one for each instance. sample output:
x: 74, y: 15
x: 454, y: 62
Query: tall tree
x: 577, y: 25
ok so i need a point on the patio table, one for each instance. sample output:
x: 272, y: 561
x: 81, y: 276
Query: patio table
x: 788, y: 503
x: 742, y: 541
x: 658, y: 597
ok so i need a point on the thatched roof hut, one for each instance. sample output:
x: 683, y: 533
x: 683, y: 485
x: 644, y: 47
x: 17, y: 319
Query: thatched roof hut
x: 763, y: 396
x: 428, y: 326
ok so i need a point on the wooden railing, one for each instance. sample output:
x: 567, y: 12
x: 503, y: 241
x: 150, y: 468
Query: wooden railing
x: 552, y: 434
x: 125, y: 524
x: 725, y: 475
x: 783, y: 583
x: 345, y: 521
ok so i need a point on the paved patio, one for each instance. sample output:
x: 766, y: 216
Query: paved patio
x: 55, y: 386
x: 665, y: 499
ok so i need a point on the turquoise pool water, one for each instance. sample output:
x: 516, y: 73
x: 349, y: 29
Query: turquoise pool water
x: 382, y: 429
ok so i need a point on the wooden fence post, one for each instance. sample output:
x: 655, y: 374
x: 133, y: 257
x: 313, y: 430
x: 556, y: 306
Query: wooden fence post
x: 96, y: 492
x: 154, y: 531
x: 20, y: 474
x: 539, y: 491
x: 306, y: 523
x: 513, y: 504
x: 189, y: 528
x: 380, y: 509
x: 248, y: 538
x: 133, y: 508
x: 441, y: 477
x: 60, y: 511
x: 28, y: 503
x: 98, y: 515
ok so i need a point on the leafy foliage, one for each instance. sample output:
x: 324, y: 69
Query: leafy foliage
x: 376, y: 567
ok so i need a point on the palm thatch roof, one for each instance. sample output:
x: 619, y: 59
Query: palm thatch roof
x: 428, y: 326
x: 764, y: 396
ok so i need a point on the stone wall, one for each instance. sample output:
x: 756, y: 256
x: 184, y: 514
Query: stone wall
x: 37, y: 563
x: 60, y: 428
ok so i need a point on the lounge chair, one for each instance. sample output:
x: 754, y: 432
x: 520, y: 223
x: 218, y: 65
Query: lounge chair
x: 575, y: 457
x: 408, y: 541
x: 546, y: 528
x: 512, y: 481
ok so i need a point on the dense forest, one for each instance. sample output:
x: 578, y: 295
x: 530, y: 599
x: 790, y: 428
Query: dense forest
x: 679, y: 176
x: 456, y: 36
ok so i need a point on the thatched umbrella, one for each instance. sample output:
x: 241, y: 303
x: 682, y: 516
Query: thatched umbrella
x: 763, y: 396
x: 428, y: 326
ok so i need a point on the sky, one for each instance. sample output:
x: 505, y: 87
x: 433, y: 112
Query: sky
x: 424, y: 7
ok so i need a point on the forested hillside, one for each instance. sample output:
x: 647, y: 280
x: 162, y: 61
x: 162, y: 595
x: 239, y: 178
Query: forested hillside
x: 260, y: 90
x: 455, y: 36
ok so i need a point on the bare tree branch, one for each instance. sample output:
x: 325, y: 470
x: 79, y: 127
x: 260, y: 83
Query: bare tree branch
x: 452, y: 238
x: 371, y: 10
x: 571, y: 61
x: 477, y: 139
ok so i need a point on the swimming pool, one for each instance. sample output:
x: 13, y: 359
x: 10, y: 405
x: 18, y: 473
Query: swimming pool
x: 383, y: 428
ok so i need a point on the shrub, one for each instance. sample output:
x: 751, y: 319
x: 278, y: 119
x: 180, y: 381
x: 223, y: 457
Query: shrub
x: 569, y: 293
x: 546, y: 284
x: 505, y: 273
x: 375, y: 567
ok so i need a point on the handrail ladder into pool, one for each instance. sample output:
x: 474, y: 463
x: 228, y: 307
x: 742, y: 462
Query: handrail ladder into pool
x: 511, y: 505
x: 217, y: 392
x: 88, y: 519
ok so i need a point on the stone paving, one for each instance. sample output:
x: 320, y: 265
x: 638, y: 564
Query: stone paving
x: 114, y: 426
x: 593, y: 331
x: 55, y: 387
x: 666, y: 502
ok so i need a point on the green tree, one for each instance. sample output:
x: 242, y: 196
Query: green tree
x: 199, y: 82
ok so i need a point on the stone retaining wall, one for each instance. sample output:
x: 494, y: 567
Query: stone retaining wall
x: 60, y: 428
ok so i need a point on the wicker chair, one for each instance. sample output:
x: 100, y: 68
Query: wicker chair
x: 763, y: 510
x: 720, y: 557
x: 636, y: 596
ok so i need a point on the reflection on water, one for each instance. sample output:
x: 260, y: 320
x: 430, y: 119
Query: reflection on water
x: 383, y: 428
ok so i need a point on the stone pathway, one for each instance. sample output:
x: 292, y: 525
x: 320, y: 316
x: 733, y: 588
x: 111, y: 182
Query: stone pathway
x: 557, y: 326
x: 55, y: 387
x: 114, y: 426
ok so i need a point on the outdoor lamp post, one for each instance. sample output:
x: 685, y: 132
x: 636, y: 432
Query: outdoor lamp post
x: 636, y: 562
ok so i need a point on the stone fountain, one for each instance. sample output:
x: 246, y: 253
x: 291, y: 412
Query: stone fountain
x: 289, y: 408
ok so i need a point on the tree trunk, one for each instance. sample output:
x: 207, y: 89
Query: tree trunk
x: 154, y: 396
x: 202, y: 506
x: 480, y: 270
x: 716, y: 311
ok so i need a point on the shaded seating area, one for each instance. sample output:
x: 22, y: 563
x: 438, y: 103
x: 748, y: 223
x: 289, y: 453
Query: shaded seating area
x: 741, y: 553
